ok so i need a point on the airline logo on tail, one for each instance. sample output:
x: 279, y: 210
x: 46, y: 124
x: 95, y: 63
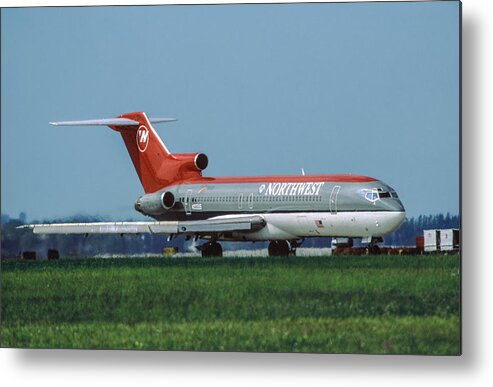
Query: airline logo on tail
x: 142, y: 138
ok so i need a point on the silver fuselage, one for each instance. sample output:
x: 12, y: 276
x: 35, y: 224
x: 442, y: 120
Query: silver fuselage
x: 292, y: 209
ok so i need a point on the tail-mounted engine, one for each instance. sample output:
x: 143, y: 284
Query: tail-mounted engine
x: 185, y: 165
x: 155, y: 204
x: 194, y: 162
x: 182, y: 166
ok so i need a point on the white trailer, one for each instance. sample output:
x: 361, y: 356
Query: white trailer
x: 449, y: 239
x: 432, y: 240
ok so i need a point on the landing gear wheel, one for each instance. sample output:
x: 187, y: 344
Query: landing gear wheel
x: 212, y: 249
x: 294, y: 245
x: 373, y: 249
x: 279, y: 249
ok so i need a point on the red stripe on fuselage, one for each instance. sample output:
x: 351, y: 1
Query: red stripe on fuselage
x: 277, y: 179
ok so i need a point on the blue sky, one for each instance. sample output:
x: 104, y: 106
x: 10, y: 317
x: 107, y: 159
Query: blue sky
x: 368, y: 88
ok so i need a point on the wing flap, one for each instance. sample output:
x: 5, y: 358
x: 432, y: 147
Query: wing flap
x: 250, y: 223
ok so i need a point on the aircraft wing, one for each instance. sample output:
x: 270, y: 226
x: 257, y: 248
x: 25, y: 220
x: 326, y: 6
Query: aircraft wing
x: 103, y: 228
x: 204, y: 227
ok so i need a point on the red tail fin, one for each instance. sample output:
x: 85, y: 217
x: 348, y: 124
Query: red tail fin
x: 155, y: 165
x: 146, y: 150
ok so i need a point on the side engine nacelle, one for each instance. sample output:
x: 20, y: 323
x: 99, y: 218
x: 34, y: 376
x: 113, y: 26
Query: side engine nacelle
x: 155, y: 204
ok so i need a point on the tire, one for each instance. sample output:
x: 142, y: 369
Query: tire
x: 278, y: 249
x: 212, y: 249
x: 216, y: 250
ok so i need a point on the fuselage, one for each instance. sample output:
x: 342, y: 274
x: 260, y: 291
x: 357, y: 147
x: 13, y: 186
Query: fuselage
x: 293, y: 206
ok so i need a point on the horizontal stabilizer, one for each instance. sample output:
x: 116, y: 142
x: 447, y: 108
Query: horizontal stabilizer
x: 110, y: 122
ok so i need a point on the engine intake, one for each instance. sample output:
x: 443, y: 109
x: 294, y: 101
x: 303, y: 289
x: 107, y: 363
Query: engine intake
x: 168, y: 200
x: 201, y: 161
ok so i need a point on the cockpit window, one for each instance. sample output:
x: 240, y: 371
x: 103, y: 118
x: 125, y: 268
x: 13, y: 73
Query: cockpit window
x: 372, y: 195
x: 378, y: 193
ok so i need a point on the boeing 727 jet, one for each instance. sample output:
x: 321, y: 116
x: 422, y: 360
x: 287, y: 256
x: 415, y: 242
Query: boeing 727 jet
x: 283, y: 210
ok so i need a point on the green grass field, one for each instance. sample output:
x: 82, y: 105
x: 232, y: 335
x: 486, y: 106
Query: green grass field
x: 364, y: 304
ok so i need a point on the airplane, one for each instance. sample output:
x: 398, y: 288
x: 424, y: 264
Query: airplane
x: 284, y: 210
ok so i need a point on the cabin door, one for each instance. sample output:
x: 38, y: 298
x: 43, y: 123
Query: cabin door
x: 333, y: 199
x: 240, y: 201
x: 188, y: 202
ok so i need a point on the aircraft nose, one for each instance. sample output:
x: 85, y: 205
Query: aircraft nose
x: 397, y: 218
x: 400, y: 216
x: 399, y: 206
x: 394, y: 205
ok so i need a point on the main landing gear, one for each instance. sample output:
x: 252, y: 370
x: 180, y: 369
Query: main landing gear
x: 282, y: 248
x: 211, y: 249
x: 276, y: 249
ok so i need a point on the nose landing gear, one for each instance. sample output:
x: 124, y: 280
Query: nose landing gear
x: 373, y: 248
